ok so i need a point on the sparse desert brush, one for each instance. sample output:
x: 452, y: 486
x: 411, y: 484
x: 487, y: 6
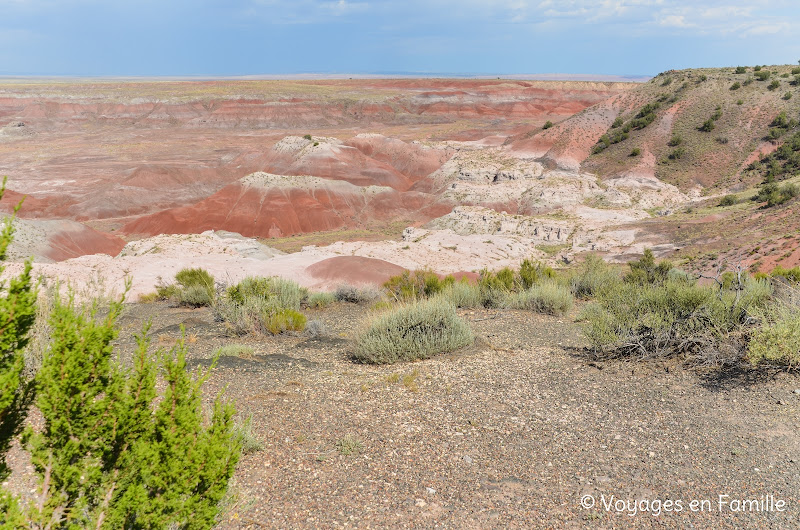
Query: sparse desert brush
x: 728, y: 200
x: 635, y: 152
x: 235, y: 350
x: 549, y: 298
x: 792, y: 275
x: 673, y: 318
x: 416, y: 285
x: 149, y: 298
x: 348, y: 445
x: 195, y: 296
x: 592, y: 277
x: 284, y: 293
x: 463, y: 294
x: 262, y: 306
x: 775, y: 195
x: 645, y: 270
x: 250, y: 442
x: 777, y: 340
x: 547, y: 124
x: 192, y: 287
x: 320, y: 300
x: 284, y: 319
x: 533, y: 272
x: 356, y: 295
x: 417, y: 330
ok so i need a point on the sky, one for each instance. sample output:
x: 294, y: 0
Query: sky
x: 456, y: 37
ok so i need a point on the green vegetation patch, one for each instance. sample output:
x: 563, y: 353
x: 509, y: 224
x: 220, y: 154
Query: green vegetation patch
x: 414, y: 331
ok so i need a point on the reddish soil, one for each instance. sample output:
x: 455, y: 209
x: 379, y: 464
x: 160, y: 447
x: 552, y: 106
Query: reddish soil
x: 105, y: 150
x: 354, y: 270
x: 284, y: 211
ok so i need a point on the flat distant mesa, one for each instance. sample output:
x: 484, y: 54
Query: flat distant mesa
x: 451, y: 174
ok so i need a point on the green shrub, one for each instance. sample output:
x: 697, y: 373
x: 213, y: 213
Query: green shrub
x: 195, y: 287
x: 707, y: 126
x: 282, y: 320
x: 736, y: 86
x: 675, y: 140
x: 775, y: 84
x: 671, y: 318
x: 740, y: 102
x: 740, y: 70
x: 747, y: 81
x: 777, y: 340
x: 107, y: 442
x: 617, y: 122
x: 757, y: 68
x: 417, y: 284
x: 592, y: 277
x: 463, y: 294
x: 793, y: 274
x: 262, y: 306
x: 356, y: 295
x: 195, y: 296
x: 787, y: 96
x: 547, y: 297
x: 795, y: 70
x: 728, y: 200
x: 320, y: 300
x: 775, y: 195
x: 284, y: 293
x: 17, y: 314
x: 547, y: 124
x: 645, y: 270
x: 307, y: 137
x: 762, y: 75
x: 677, y: 153
x: 635, y: 152
x: 532, y: 272
x: 414, y: 331
x: 235, y: 350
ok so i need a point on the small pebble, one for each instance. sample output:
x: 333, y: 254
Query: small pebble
x: 468, y: 459
x: 430, y: 491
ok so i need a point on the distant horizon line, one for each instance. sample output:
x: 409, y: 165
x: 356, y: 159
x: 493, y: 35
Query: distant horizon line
x: 346, y: 76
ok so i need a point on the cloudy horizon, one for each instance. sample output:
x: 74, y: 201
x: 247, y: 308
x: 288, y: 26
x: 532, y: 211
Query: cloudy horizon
x: 469, y: 37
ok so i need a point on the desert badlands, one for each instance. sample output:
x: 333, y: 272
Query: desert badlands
x: 602, y: 259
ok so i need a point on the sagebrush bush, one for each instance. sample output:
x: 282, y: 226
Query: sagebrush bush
x: 416, y: 285
x: 235, y: 350
x: 417, y: 330
x: 592, y: 277
x: 728, y: 200
x: 195, y: 296
x: 463, y: 294
x: 645, y: 270
x: 284, y: 293
x: 793, y: 274
x: 190, y: 282
x: 356, y: 295
x: 548, y: 297
x: 262, y: 306
x: 670, y: 317
x: 257, y: 315
x: 777, y: 340
x: 320, y: 300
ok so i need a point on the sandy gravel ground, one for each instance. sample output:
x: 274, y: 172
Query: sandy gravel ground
x: 512, y: 432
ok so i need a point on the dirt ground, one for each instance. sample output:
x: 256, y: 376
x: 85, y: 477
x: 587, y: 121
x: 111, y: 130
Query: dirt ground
x: 516, y: 431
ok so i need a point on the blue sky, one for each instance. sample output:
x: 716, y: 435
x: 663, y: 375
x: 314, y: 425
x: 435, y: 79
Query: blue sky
x: 251, y: 37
